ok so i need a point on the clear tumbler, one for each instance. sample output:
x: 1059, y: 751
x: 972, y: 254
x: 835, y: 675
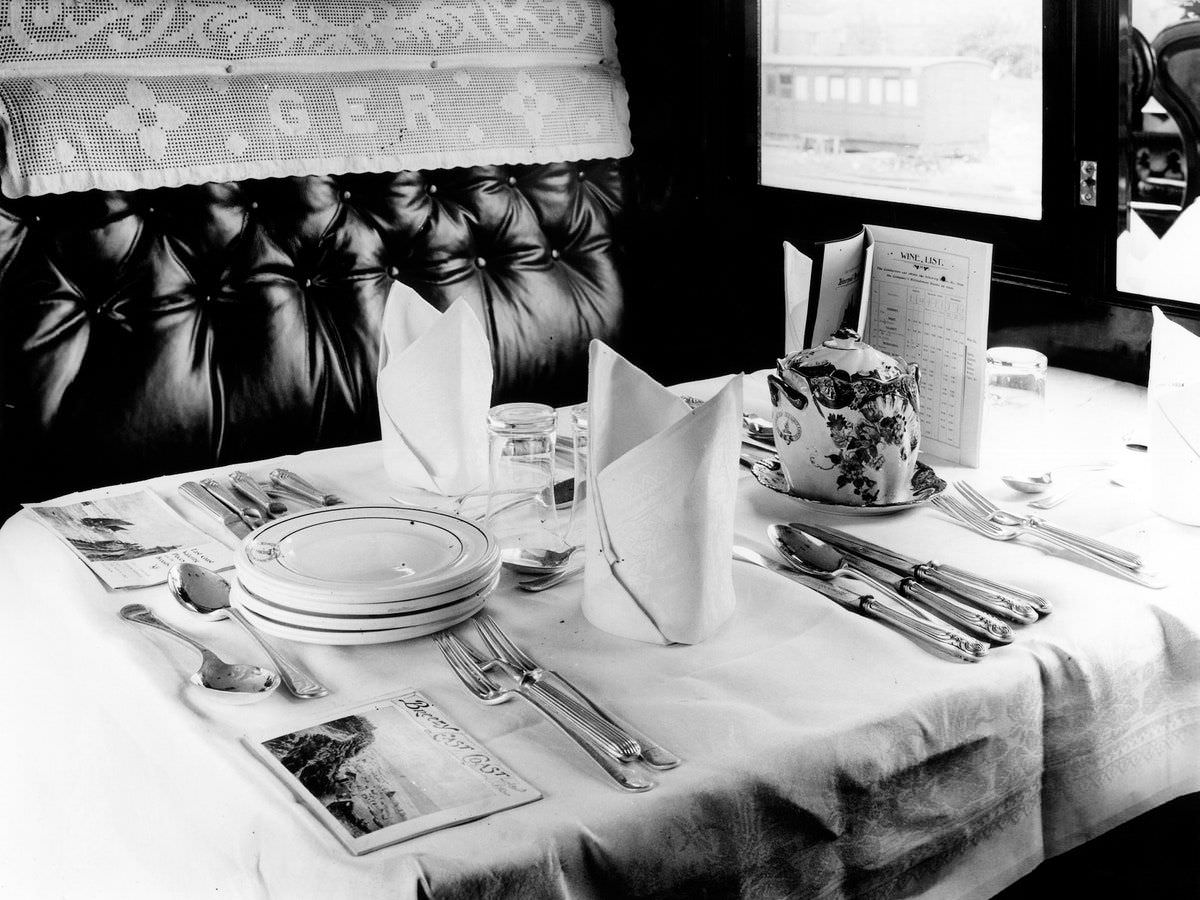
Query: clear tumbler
x: 1015, y: 409
x: 521, y: 509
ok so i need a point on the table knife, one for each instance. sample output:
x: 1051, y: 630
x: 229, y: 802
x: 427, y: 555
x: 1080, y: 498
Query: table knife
x: 971, y: 620
x: 248, y: 512
x: 245, y: 485
x: 215, y: 509
x: 944, y: 640
x: 1003, y: 600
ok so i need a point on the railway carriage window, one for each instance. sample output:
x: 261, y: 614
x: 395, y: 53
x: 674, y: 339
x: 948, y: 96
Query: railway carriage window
x: 785, y: 85
x: 968, y: 75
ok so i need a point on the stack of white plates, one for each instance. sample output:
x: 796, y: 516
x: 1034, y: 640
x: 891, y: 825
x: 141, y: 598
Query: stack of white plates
x: 364, y: 574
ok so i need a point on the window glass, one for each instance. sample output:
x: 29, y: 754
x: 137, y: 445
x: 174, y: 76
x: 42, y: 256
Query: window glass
x: 785, y: 84
x: 969, y: 76
x: 1156, y: 249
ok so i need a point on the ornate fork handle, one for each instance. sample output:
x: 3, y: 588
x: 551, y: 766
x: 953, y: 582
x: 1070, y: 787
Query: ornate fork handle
x: 1116, y: 554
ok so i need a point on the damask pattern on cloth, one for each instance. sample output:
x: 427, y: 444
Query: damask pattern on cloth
x: 123, y: 95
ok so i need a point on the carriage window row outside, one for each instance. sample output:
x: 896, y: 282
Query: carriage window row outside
x: 837, y: 88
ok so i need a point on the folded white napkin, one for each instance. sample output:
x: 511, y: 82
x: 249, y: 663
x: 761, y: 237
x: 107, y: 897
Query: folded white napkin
x: 435, y: 388
x: 1173, y: 398
x: 663, y: 484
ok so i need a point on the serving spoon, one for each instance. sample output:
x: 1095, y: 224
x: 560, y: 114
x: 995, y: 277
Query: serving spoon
x: 1036, y: 484
x: 233, y: 683
x: 206, y: 593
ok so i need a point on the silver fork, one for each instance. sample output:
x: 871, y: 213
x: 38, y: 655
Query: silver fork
x: 478, y: 683
x: 1035, y: 524
x: 651, y: 753
x: 996, y: 532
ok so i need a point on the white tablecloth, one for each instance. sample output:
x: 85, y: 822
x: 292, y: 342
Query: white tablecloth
x: 826, y: 755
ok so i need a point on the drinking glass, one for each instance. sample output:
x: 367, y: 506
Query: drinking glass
x: 1014, y: 418
x: 521, y: 510
x: 579, y: 436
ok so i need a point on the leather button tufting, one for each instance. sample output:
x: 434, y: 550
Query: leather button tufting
x: 554, y: 254
x: 431, y: 189
x: 254, y: 204
x: 394, y: 273
x: 345, y: 195
x: 512, y: 180
x: 480, y: 261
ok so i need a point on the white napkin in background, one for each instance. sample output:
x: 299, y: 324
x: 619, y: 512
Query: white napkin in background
x: 1173, y: 398
x: 663, y: 488
x: 435, y: 389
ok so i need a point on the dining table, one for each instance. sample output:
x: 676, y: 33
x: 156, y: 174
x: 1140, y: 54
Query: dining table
x: 824, y: 753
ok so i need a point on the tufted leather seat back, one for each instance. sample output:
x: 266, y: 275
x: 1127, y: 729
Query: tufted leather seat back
x: 171, y: 329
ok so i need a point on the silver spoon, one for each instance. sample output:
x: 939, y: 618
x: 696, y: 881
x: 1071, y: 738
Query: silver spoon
x: 1035, y: 484
x: 536, y: 560
x: 206, y: 593
x: 542, y: 582
x: 758, y: 428
x: 233, y: 683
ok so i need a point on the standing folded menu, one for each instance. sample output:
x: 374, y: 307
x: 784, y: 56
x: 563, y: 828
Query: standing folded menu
x: 923, y: 297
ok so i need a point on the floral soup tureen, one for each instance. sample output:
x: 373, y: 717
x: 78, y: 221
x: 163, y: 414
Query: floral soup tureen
x: 847, y: 422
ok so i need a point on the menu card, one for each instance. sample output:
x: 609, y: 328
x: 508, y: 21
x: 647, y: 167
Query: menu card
x: 391, y: 770
x: 923, y: 297
x: 131, y: 540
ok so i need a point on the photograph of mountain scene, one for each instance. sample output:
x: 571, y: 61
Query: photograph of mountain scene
x: 340, y: 764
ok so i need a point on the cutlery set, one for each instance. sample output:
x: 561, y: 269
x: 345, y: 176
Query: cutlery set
x: 976, y: 512
x: 246, y: 504
x: 620, y: 750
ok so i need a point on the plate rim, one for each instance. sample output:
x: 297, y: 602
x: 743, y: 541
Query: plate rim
x: 848, y: 509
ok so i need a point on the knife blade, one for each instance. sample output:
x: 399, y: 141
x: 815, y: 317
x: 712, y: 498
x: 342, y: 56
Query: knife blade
x: 944, y: 640
x: 1002, y: 600
x: 213, y: 508
x: 972, y: 620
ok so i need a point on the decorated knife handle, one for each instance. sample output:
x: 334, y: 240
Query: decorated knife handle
x: 973, y: 620
x: 946, y: 640
x: 1018, y: 606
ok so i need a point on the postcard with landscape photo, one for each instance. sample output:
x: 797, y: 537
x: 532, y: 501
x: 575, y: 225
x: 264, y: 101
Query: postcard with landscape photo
x: 390, y: 771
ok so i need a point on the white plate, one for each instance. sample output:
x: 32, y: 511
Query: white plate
x: 364, y: 554
x: 342, y: 607
x: 244, y: 599
x: 361, y: 637
x: 926, y: 485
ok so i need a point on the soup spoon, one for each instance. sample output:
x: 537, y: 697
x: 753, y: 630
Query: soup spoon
x: 233, y: 683
x: 206, y: 593
x: 1035, y: 484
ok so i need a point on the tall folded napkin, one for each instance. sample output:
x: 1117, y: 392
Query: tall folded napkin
x: 435, y: 388
x: 1173, y: 396
x: 663, y: 484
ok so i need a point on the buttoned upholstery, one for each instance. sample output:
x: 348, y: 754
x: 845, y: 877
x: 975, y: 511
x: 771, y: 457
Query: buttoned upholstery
x: 171, y: 329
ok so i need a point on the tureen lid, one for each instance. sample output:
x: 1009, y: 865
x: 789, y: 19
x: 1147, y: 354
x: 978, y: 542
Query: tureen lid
x: 846, y: 352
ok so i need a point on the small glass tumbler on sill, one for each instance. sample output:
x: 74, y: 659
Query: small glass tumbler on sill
x: 1014, y: 423
x: 521, y: 509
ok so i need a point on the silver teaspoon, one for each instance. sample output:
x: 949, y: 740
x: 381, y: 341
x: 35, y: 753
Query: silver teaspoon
x: 536, y: 560
x: 206, y: 593
x: 232, y: 683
